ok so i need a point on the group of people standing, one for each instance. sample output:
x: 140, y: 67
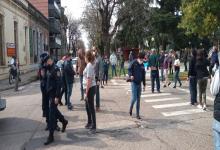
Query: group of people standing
x: 57, y: 79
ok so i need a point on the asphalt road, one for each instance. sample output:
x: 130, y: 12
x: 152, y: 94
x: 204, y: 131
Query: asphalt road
x: 168, y: 121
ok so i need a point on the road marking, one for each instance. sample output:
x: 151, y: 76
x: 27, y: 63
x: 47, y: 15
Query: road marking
x: 161, y: 100
x: 187, y: 91
x: 114, y: 82
x: 171, y: 105
x: 184, y: 112
x: 155, y: 95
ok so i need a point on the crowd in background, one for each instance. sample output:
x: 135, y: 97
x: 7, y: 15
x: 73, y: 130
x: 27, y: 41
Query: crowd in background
x: 93, y: 71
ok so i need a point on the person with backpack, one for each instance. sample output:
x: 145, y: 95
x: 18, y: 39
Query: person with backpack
x: 202, y: 75
x: 154, y: 64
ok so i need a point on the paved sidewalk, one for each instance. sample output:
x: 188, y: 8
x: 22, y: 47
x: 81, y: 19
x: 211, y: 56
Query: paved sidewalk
x: 25, y: 79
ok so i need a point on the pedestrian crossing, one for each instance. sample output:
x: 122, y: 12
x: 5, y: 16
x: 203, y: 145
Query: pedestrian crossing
x: 167, y: 103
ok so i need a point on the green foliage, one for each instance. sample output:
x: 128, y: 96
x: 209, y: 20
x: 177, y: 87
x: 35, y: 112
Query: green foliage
x: 134, y: 26
x: 201, y: 17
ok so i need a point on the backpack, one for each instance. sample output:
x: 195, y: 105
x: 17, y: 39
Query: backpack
x: 215, y: 84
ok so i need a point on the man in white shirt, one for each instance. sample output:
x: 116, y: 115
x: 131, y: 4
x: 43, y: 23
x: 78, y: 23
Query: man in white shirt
x: 113, y: 61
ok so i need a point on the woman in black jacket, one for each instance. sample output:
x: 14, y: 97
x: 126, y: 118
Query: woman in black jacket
x: 192, y: 78
x: 202, y: 75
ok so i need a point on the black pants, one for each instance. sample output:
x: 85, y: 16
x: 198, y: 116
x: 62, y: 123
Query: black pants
x: 105, y: 77
x: 54, y: 114
x: 45, y: 103
x: 193, y: 89
x: 90, y: 108
x: 155, y: 77
x: 185, y: 65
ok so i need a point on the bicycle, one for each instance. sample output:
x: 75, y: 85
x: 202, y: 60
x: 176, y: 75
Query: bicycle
x: 13, y: 75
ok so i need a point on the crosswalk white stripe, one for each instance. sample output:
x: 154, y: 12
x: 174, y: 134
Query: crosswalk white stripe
x: 171, y: 105
x: 155, y: 95
x: 187, y: 91
x: 184, y: 112
x: 160, y: 100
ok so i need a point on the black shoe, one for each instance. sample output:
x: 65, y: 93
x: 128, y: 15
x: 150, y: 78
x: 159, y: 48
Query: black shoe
x: 174, y: 87
x: 169, y: 83
x: 180, y: 84
x: 152, y: 91
x: 88, y: 126
x: 130, y: 112
x: 57, y: 128
x: 64, y: 125
x: 159, y: 91
x: 50, y: 140
x: 164, y: 86
x: 70, y: 107
x: 138, y: 117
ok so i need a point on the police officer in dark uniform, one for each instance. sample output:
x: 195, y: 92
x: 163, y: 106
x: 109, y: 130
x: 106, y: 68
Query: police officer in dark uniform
x: 43, y: 81
x: 53, y: 88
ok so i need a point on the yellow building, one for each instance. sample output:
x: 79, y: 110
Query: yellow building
x: 23, y: 33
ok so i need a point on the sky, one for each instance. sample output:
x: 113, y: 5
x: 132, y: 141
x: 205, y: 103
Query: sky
x: 76, y: 8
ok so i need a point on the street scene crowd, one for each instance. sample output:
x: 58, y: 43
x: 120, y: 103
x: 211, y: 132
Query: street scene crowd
x: 57, y: 79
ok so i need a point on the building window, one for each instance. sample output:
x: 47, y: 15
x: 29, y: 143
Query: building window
x: 1, y: 41
x: 31, y: 46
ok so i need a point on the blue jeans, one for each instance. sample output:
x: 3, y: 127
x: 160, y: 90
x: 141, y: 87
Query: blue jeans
x: 193, y: 89
x: 69, y: 93
x: 114, y: 70
x: 136, y: 96
x: 177, y: 78
x: 155, y: 77
x: 216, y: 133
x: 81, y: 86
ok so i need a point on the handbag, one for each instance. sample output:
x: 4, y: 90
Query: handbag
x: 215, y: 84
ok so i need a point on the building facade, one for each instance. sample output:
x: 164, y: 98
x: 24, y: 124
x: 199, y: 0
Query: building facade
x: 23, y: 33
x: 57, y: 25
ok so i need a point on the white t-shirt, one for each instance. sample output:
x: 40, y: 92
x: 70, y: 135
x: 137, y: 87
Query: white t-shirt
x: 177, y: 62
x: 89, y: 72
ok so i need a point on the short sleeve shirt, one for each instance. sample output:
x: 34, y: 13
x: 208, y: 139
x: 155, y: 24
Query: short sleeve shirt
x: 89, y: 72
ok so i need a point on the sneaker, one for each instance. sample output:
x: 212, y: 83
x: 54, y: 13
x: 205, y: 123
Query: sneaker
x: 199, y: 106
x: 204, y: 107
